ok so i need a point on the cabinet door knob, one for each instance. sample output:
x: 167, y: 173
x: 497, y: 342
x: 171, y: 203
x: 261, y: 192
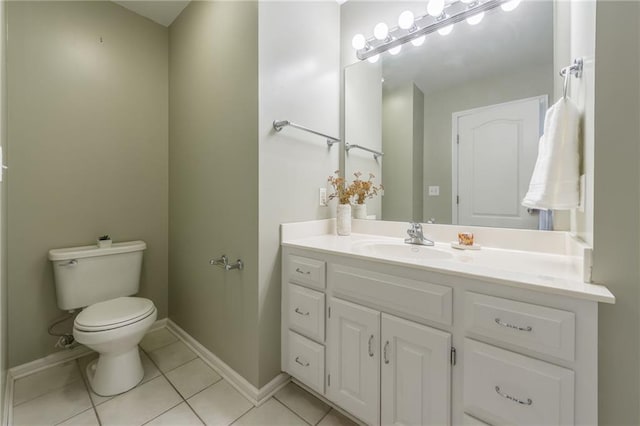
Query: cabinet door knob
x: 371, y: 345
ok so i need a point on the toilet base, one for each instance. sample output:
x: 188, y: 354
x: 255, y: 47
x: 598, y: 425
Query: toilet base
x: 112, y: 374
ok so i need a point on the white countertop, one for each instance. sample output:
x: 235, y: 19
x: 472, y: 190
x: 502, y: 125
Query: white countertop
x: 548, y: 273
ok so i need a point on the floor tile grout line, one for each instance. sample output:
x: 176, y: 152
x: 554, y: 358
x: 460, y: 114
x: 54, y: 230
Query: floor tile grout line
x: 162, y: 346
x: 87, y: 386
x: 50, y: 390
x: 177, y: 366
x: 194, y: 411
x: 325, y: 415
x: 176, y: 389
x: 165, y: 411
x: 290, y: 409
x: 295, y: 412
x: 253, y: 407
x: 275, y: 396
x: 77, y: 414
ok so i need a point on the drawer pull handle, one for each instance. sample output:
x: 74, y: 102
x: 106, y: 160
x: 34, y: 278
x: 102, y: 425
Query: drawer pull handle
x: 300, y: 271
x: 515, y: 327
x: 514, y: 399
x: 386, y: 356
x: 298, y: 311
x: 371, y: 345
x: 305, y: 364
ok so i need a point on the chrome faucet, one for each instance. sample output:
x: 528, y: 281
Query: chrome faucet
x: 416, y: 236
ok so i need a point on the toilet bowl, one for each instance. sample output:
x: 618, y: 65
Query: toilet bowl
x: 114, y: 328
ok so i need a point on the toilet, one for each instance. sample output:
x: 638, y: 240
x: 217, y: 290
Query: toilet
x: 101, y: 281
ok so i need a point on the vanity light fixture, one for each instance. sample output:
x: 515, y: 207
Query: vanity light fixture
x: 446, y: 30
x: 510, y: 5
x: 441, y: 16
x: 475, y: 19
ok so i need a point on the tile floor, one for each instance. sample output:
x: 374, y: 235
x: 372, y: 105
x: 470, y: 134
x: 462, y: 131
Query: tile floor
x: 178, y: 388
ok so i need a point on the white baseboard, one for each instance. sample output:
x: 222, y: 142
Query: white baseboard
x: 253, y: 394
x: 48, y: 361
x: 7, y: 408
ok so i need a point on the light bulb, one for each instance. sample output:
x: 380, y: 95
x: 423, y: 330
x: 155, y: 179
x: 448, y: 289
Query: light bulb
x: 445, y: 30
x: 475, y: 19
x: 381, y: 31
x: 406, y: 19
x: 418, y: 41
x: 373, y: 59
x: 395, y: 50
x: 510, y: 5
x: 435, y: 8
x: 358, y: 42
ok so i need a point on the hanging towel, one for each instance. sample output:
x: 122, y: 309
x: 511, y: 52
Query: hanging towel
x: 555, y: 180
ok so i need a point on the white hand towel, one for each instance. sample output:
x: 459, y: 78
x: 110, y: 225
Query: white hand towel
x: 555, y: 180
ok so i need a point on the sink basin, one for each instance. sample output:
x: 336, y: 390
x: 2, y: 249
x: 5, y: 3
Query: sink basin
x: 400, y: 251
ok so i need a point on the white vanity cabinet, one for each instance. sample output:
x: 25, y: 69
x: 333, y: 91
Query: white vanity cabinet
x: 396, y: 344
x: 385, y: 369
x: 353, y: 361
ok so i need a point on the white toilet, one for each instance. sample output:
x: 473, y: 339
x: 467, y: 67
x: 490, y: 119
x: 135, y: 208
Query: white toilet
x: 111, y: 323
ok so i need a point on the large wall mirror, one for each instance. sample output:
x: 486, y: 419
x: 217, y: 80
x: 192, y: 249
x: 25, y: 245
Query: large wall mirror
x: 458, y: 120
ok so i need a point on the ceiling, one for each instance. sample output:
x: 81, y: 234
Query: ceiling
x: 164, y: 12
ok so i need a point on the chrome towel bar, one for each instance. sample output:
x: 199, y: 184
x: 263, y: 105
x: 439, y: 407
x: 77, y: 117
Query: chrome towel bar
x: 376, y: 154
x: 280, y: 124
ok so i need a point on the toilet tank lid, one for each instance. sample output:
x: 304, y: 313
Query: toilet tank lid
x: 92, y: 251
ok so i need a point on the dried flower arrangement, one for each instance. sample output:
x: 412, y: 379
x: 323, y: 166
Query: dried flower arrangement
x: 363, y: 189
x: 342, y: 192
x: 359, y: 189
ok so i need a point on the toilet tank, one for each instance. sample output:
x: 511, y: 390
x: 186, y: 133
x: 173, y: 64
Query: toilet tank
x: 87, y: 275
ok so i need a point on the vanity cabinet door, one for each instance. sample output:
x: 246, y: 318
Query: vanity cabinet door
x: 416, y: 373
x: 353, y: 364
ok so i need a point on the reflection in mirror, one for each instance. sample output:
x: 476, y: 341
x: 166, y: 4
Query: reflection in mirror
x: 458, y: 120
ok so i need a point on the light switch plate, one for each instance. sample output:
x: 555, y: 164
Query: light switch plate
x: 434, y: 191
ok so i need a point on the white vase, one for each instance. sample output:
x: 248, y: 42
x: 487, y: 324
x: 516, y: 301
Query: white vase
x: 360, y: 211
x: 343, y: 219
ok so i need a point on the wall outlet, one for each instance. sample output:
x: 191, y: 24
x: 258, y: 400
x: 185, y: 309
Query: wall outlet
x: 434, y: 191
x: 322, y: 197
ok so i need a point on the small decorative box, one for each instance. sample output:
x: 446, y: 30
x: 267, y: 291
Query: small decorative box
x: 465, y: 238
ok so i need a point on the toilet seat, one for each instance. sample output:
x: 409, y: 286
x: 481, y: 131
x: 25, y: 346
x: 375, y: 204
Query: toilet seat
x: 113, y: 314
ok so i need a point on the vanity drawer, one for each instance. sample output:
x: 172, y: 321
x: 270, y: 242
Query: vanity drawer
x: 306, y: 361
x: 306, y: 271
x: 538, y: 328
x: 407, y: 298
x: 503, y: 387
x: 306, y: 312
